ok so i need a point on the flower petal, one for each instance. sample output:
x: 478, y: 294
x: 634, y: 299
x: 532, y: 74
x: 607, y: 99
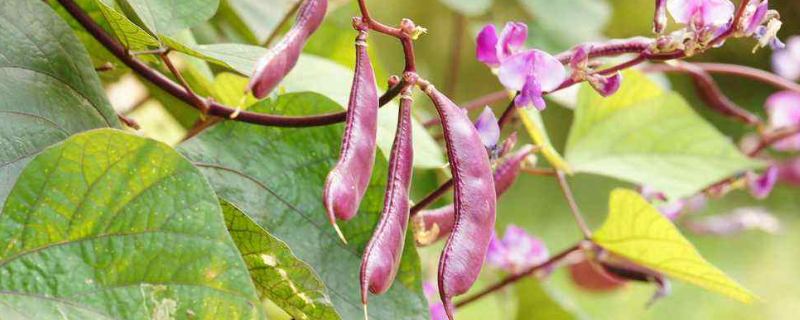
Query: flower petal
x: 487, y: 46
x: 784, y: 110
x: 511, y: 39
x: 701, y: 13
x: 549, y: 72
x: 515, y: 70
x: 761, y: 186
x: 488, y: 128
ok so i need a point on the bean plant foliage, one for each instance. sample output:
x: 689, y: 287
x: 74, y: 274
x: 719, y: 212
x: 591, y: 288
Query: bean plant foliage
x: 278, y: 167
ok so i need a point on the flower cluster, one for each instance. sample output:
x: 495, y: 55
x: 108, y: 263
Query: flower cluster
x: 516, y: 251
x: 529, y: 72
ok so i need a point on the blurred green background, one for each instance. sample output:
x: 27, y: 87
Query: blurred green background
x: 764, y: 263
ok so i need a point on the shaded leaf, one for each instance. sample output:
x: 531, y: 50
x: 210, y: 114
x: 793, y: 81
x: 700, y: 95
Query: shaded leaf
x: 532, y: 121
x: 277, y: 273
x: 537, y: 301
x: 650, y: 137
x: 261, y: 19
x: 167, y: 17
x: 638, y: 232
x: 48, y: 87
x: 111, y: 225
x: 276, y: 177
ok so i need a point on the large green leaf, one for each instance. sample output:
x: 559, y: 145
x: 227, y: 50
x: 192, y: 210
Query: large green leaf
x: 647, y: 136
x: 167, y: 17
x: 48, y: 86
x: 469, y: 7
x: 536, y: 301
x: 108, y: 225
x: 276, y: 176
x: 336, y: 85
x: 637, y: 231
x: 277, y: 273
x: 560, y: 25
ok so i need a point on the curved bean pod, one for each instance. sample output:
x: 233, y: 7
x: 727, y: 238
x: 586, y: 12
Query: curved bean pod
x: 348, y: 181
x: 432, y: 225
x: 382, y: 254
x: 280, y: 59
x: 474, y: 201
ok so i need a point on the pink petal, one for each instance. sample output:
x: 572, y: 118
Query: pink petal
x: 515, y: 70
x: 606, y: 86
x: 487, y: 46
x: 437, y: 311
x: 761, y: 186
x: 784, y: 110
x: 701, y: 12
x: 511, y: 39
x: 673, y: 210
x: 430, y: 290
x: 488, y: 128
x: 549, y: 72
x: 757, y: 16
x: 786, y: 63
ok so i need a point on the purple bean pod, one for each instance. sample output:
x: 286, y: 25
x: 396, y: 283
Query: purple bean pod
x: 348, y: 181
x: 280, y: 59
x: 382, y: 255
x: 474, y: 200
x: 432, y: 225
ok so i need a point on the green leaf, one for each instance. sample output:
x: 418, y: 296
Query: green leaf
x: 305, y: 77
x: 638, y: 232
x: 532, y: 121
x: 469, y: 7
x: 229, y: 88
x: 110, y: 225
x: 167, y: 17
x: 276, y: 176
x: 48, y: 87
x: 536, y: 301
x: 647, y: 136
x: 128, y: 33
x: 560, y: 25
x: 277, y: 273
x: 260, y: 19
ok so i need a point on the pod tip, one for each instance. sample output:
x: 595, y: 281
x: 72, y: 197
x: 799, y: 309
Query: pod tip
x: 366, y: 314
x: 339, y: 233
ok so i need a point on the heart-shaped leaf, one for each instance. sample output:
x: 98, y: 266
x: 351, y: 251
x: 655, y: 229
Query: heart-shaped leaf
x: 276, y: 177
x: 108, y: 225
x: 48, y: 87
x: 638, y: 232
x: 650, y: 137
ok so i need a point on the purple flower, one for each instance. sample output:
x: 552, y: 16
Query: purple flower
x: 784, y: 110
x: 488, y: 128
x: 516, y: 251
x: 786, y: 62
x: 493, y: 50
x: 434, y: 304
x: 701, y: 13
x: 761, y: 186
x: 755, y: 16
x: 532, y: 73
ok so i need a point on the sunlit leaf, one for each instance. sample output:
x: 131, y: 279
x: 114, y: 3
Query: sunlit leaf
x: 229, y: 88
x: 638, y: 232
x: 108, y: 225
x: 532, y: 120
x: 276, y: 177
x: 650, y: 137
x: 128, y: 33
x: 277, y: 273
x: 48, y: 87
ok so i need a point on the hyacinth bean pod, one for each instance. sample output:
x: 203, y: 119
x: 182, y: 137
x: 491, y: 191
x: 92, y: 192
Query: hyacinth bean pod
x: 280, y: 59
x: 433, y: 225
x: 382, y: 255
x: 348, y: 181
x: 474, y: 201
